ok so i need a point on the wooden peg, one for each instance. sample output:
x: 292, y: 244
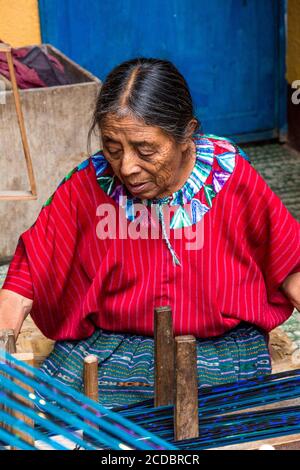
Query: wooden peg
x: 90, y: 382
x: 90, y: 377
x: 186, y: 422
x: 163, y: 357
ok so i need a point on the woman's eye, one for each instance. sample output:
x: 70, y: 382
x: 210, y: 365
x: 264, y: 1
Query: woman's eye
x: 146, y: 154
x: 114, y: 152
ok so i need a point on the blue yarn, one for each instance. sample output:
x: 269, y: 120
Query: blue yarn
x: 139, y: 441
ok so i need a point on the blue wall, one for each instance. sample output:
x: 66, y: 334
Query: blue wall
x: 230, y: 51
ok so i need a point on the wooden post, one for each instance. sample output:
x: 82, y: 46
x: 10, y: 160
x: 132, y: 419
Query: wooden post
x: 90, y: 382
x: 163, y: 357
x: 186, y: 422
x: 90, y: 377
x: 27, y: 358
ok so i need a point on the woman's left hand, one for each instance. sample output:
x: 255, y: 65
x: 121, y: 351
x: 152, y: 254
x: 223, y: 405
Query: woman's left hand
x: 291, y: 288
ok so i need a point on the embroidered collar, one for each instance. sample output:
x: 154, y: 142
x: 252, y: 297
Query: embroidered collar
x: 206, y: 174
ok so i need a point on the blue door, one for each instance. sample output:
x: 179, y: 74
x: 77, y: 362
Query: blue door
x: 230, y: 51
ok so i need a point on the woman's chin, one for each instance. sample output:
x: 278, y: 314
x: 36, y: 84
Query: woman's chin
x: 147, y: 193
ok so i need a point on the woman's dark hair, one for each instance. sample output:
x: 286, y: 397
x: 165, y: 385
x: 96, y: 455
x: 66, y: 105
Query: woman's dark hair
x: 149, y: 89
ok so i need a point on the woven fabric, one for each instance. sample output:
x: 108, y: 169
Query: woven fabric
x: 126, y: 362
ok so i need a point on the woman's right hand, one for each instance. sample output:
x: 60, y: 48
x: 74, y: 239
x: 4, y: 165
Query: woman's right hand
x: 14, y: 308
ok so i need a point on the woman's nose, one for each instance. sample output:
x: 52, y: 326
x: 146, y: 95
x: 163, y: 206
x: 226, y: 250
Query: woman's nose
x: 129, y: 165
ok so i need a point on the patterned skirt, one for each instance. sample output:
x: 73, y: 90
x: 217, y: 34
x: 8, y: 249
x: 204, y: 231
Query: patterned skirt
x: 126, y: 362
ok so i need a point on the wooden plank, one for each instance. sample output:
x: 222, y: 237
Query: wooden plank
x: 186, y: 421
x: 163, y: 357
x: 16, y: 195
x: 291, y: 442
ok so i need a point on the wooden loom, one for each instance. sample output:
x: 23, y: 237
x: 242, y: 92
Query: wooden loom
x: 174, y: 416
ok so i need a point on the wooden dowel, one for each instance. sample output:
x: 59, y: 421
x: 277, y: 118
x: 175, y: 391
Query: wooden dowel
x: 90, y: 383
x: 186, y: 422
x: 21, y: 121
x: 27, y: 358
x: 163, y: 357
x: 90, y: 377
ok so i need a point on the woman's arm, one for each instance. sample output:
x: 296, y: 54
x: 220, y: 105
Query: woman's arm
x: 291, y: 288
x: 46, y: 269
x: 14, y: 308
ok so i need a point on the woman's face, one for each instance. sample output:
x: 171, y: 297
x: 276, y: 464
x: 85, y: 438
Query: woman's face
x: 148, y: 161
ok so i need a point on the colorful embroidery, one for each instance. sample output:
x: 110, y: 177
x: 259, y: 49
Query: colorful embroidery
x: 198, y: 210
x: 229, y: 144
x: 210, y: 172
x: 180, y: 219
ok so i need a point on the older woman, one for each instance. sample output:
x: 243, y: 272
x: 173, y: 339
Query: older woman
x: 162, y: 215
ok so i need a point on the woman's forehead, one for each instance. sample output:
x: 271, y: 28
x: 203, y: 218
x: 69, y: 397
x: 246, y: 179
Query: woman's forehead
x: 133, y: 129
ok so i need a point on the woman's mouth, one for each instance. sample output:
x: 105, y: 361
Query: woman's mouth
x: 137, y: 188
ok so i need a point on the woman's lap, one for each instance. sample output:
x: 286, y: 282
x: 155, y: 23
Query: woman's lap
x: 239, y: 354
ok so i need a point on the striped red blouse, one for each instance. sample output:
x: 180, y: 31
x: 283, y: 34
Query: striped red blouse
x: 85, y: 270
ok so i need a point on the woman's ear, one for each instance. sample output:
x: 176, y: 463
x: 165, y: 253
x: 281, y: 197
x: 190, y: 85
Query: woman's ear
x: 193, y: 124
x: 190, y: 129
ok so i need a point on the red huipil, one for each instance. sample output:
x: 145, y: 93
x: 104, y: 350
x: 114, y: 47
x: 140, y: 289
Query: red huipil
x: 79, y: 280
